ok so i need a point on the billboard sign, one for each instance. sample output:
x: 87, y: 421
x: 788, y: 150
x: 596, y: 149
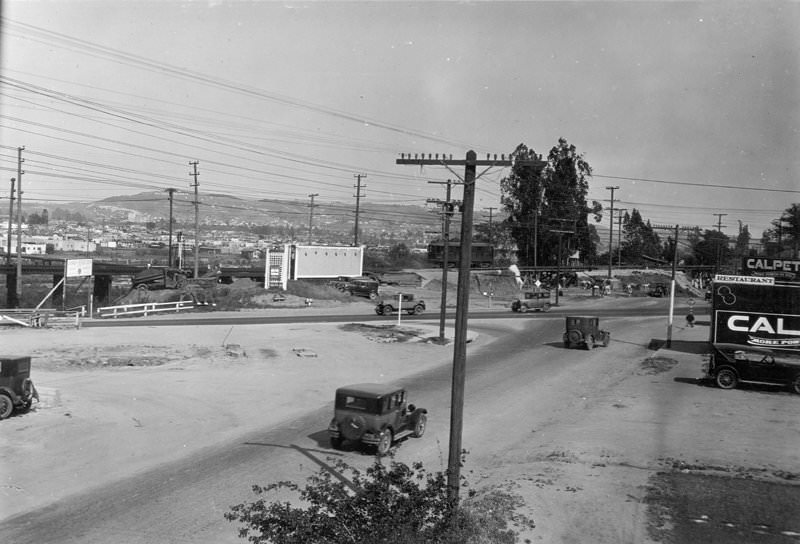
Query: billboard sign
x: 78, y: 268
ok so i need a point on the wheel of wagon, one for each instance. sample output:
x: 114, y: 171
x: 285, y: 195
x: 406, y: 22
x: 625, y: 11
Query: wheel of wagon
x: 6, y: 406
x: 727, y: 379
x: 419, y: 426
x: 384, y: 442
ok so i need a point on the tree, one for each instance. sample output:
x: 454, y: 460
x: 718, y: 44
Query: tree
x: 639, y: 239
x: 711, y: 248
x: 788, y: 228
x: 391, y: 504
x: 538, y: 201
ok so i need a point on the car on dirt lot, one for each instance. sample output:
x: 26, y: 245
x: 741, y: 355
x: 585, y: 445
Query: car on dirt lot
x: 16, y: 387
x: 375, y: 415
x: 657, y: 289
x: 730, y: 364
x: 362, y: 287
x: 405, y: 302
x: 539, y: 301
x: 585, y: 332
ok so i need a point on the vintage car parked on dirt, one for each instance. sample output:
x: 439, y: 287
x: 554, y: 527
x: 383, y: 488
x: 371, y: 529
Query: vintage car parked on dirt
x: 376, y: 415
x: 362, y: 287
x: 539, y: 301
x: 585, y: 332
x: 159, y: 278
x: 657, y: 289
x: 407, y: 303
x: 16, y: 387
x: 730, y: 364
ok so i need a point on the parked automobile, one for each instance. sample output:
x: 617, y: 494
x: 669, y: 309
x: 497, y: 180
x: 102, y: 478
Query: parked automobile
x: 362, y: 288
x: 539, y: 301
x: 585, y: 332
x: 159, y: 278
x: 731, y: 364
x: 657, y: 290
x: 376, y: 415
x: 16, y: 387
x: 400, y: 303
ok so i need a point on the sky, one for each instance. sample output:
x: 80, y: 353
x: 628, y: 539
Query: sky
x: 690, y: 110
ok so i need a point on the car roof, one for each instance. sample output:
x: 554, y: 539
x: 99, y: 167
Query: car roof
x: 368, y: 389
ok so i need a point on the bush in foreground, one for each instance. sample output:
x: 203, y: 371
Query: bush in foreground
x: 391, y: 503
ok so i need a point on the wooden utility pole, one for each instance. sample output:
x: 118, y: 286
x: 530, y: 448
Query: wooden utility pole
x: 194, y: 174
x: 311, y: 216
x: 470, y: 164
x: 358, y: 200
x: 10, y: 218
x: 447, y: 213
x: 20, y: 160
x: 611, y: 231
x: 619, y: 235
x: 718, y: 256
x: 169, y: 258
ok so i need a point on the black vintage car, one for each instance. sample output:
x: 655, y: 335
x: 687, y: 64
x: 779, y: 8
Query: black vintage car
x: 16, y: 387
x: 730, y: 364
x: 585, y: 332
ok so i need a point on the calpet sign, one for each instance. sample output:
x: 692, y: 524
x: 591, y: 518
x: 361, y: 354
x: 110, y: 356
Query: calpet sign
x: 780, y: 331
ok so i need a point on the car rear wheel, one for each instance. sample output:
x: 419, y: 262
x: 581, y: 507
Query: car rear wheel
x: 727, y: 379
x: 373, y: 296
x: 6, y: 406
x: 523, y: 309
x: 796, y: 384
x: 546, y: 307
x: 384, y: 442
x: 387, y: 310
x: 419, y: 426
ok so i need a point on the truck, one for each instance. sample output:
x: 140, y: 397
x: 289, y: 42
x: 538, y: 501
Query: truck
x: 755, y: 311
x: 153, y: 278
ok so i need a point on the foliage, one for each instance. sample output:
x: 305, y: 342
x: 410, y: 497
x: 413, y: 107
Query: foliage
x: 639, y: 239
x: 387, y: 503
x: 540, y: 200
x: 711, y: 248
x: 788, y: 227
x: 399, y: 256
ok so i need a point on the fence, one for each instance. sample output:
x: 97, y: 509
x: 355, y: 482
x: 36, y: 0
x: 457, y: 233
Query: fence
x: 38, y: 319
x: 145, y: 309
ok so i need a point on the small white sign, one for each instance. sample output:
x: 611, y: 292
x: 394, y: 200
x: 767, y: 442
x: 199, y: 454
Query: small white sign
x: 78, y: 268
x: 750, y: 280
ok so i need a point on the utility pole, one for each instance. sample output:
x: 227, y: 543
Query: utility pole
x: 358, y: 199
x: 311, y: 216
x: 611, y: 230
x: 491, y: 238
x: 447, y: 213
x: 20, y: 160
x: 462, y: 304
x: 171, y: 192
x: 10, y: 217
x: 194, y: 174
x: 560, y: 231
x: 619, y: 235
x: 719, y: 243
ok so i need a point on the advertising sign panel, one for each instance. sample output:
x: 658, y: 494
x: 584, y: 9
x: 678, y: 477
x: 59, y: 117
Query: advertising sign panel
x: 327, y: 261
x: 78, y: 268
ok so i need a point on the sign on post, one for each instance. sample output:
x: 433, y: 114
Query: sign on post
x: 78, y: 268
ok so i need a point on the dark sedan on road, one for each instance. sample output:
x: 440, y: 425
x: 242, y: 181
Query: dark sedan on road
x: 730, y: 364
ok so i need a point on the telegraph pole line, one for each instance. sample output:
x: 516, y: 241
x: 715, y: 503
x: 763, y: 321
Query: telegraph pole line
x: 10, y: 218
x: 311, y: 216
x: 358, y: 199
x: 470, y: 164
x: 719, y: 243
x: 194, y: 174
x: 619, y: 235
x: 611, y: 231
x: 20, y: 160
x: 171, y: 192
x: 560, y: 231
x: 491, y: 240
x: 447, y: 213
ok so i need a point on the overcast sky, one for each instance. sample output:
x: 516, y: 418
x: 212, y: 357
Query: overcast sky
x: 691, y: 109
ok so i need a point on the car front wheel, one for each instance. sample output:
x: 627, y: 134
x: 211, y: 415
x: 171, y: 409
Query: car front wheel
x: 418, y: 309
x: 6, y: 406
x: 546, y: 307
x: 727, y: 379
x: 387, y: 310
x: 384, y: 442
x: 796, y: 384
x: 419, y: 426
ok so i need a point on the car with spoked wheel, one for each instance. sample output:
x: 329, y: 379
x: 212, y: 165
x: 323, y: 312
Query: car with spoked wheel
x: 532, y: 301
x: 404, y: 302
x: 585, y: 332
x: 374, y: 415
x: 17, y: 391
x: 732, y: 364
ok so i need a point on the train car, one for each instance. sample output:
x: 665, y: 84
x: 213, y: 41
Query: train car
x: 482, y: 254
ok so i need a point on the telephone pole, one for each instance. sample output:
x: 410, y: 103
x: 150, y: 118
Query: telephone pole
x: 169, y: 258
x: 719, y: 242
x: 470, y: 164
x: 358, y: 199
x: 491, y: 237
x: 619, y: 235
x: 447, y: 213
x: 194, y: 174
x: 311, y: 216
x: 10, y: 217
x: 20, y: 160
x: 611, y: 231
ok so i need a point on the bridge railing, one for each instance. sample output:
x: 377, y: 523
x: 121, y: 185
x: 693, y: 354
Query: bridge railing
x: 144, y: 309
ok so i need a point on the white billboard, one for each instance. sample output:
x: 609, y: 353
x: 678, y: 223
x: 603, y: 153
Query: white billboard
x: 327, y: 261
x: 78, y: 268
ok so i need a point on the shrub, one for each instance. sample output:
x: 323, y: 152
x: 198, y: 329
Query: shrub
x: 391, y: 503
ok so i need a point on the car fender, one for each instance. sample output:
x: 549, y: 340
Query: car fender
x: 717, y: 368
x: 10, y: 392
